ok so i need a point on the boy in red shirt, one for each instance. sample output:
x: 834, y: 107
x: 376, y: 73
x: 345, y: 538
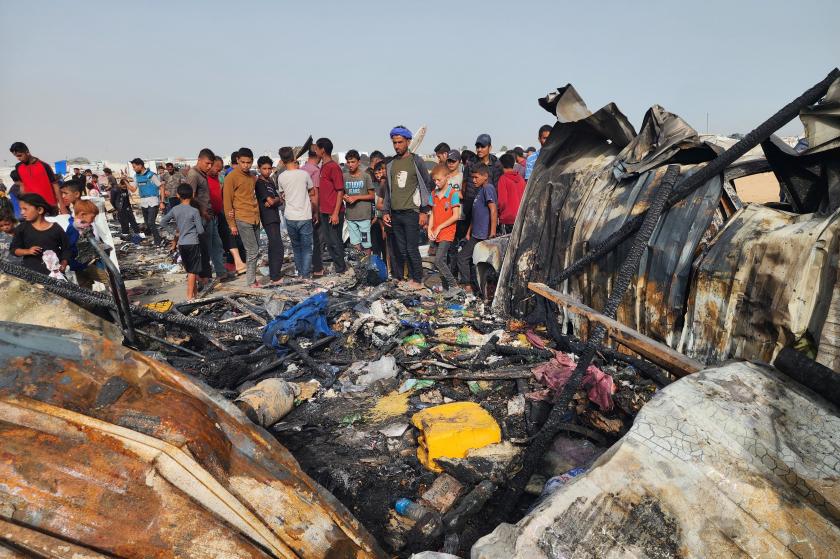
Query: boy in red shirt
x: 511, y: 187
x: 446, y: 209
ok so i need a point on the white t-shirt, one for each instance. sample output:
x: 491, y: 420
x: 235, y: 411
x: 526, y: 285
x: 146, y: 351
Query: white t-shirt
x: 295, y: 184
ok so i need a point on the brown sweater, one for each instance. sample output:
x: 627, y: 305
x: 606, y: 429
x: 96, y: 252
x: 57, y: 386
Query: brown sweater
x: 239, y: 196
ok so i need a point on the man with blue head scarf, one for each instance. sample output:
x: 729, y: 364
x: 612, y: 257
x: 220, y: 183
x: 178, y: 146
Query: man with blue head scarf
x: 406, y: 205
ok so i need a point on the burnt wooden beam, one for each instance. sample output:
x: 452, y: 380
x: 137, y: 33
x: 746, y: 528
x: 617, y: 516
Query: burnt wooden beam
x: 664, y: 356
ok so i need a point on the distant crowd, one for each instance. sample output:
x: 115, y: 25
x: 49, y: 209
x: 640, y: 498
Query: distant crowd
x: 390, y: 207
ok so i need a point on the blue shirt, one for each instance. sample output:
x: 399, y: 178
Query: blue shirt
x: 529, y: 164
x: 481, y: 212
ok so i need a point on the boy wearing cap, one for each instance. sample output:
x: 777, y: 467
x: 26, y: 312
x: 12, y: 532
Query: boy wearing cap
x: 406, y: 205
x: 482, y: 222
x: 358, y: 195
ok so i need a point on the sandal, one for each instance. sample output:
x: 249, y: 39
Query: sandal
x: 318, y: 274
x: 241, y: 271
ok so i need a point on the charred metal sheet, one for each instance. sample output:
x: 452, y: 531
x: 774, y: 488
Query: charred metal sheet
x: 765, y: 283
x: 583, y: 189
x: 488, y: 256
x: 707, y: 470
x: 112, y: 451
x: 32, y: 304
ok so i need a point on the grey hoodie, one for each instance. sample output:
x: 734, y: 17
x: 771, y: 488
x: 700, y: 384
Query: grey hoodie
x: 424, y: 182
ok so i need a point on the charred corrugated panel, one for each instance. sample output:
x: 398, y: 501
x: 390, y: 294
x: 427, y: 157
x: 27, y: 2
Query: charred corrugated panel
x: 765, y: 283
x: 829, y: 348
x: 160, y: 467
x: 576, y: 146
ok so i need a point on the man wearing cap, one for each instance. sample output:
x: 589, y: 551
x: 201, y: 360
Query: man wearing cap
x: 483, y: 147
x: 152, y: 195
x: 542, y: 137
x: 406, y: 204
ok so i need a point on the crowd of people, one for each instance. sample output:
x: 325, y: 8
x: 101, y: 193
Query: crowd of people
x: 390, y: 209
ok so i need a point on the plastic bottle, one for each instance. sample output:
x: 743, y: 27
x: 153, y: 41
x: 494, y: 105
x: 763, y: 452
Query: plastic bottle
x: 426, y: 521
x: 384, y: 368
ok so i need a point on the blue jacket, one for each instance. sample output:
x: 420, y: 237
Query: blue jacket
x: 145, y: 185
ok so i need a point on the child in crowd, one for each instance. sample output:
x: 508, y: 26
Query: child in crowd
x: 8, y: 222
x: 37, y: 235
x: 188, y: 223
x: 93, y: 186
x: 301, y: 204
x: 125, y: 213
x: 269, y: 200
x: 482, y: 223
x: 85, y: 262
x: 446, y: 210
x: 358, y: 196
x: 71, y: 192
x: 381, y: 249
x: 511, y: 189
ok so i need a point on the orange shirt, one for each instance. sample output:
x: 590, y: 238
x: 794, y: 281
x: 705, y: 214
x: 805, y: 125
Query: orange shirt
x: 442, y: 209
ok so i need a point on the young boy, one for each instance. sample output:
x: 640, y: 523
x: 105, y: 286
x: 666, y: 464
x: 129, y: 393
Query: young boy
x: 301, y: 198
x: 84, y: 261
x: 269, y: 201
x: 482, y: 223
x: 188, y: 222
x: 125, y: 213
x: 511, y: 188
x: 71, y: 192
x: 8, y: 222
x: 446, y: 210
x: 358, y: 195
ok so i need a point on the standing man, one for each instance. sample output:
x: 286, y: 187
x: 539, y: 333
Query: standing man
x: 171, y: 179
x: 151, y: 196
x: 301, y: 203
x: 406, y: 205
x: 330, y: 192
x: 542, y: 137
x: 242, y: 212
x: 209, y: 242
x: 37, y: 177
x: 311, y: 166
x: 441, y: 152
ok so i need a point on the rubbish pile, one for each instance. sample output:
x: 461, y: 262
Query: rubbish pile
x: 383, y: 394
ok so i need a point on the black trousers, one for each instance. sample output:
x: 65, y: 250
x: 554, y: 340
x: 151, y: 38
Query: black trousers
x: 377, y: 239
x: 126, y: 218
x: 405, y: 225
x: 461, y: 228
x: 276, y: 251
x: 317, y: 248
x: 335, y: 245
x: 150, y: 220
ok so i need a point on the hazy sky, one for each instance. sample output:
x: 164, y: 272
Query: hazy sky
x: 114, y: 80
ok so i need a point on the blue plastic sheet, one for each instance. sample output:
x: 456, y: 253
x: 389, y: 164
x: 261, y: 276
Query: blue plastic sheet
x: 307, y: 318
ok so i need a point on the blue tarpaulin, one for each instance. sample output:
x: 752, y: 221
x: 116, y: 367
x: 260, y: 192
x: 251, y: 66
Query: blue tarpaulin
x: 307, y: 318
x: 61, y: 167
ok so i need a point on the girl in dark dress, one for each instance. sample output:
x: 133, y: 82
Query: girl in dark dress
x: 36, y: 235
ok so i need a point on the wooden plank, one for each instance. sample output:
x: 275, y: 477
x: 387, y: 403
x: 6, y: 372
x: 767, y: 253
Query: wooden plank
x: 242, y: 308
x: 664, y: 356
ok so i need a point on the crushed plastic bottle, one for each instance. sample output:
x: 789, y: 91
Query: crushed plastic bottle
x: 427, y: 521
x: 384, y: 368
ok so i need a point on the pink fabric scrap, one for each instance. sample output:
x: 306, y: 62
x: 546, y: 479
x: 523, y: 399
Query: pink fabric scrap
x: 556, y: 373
